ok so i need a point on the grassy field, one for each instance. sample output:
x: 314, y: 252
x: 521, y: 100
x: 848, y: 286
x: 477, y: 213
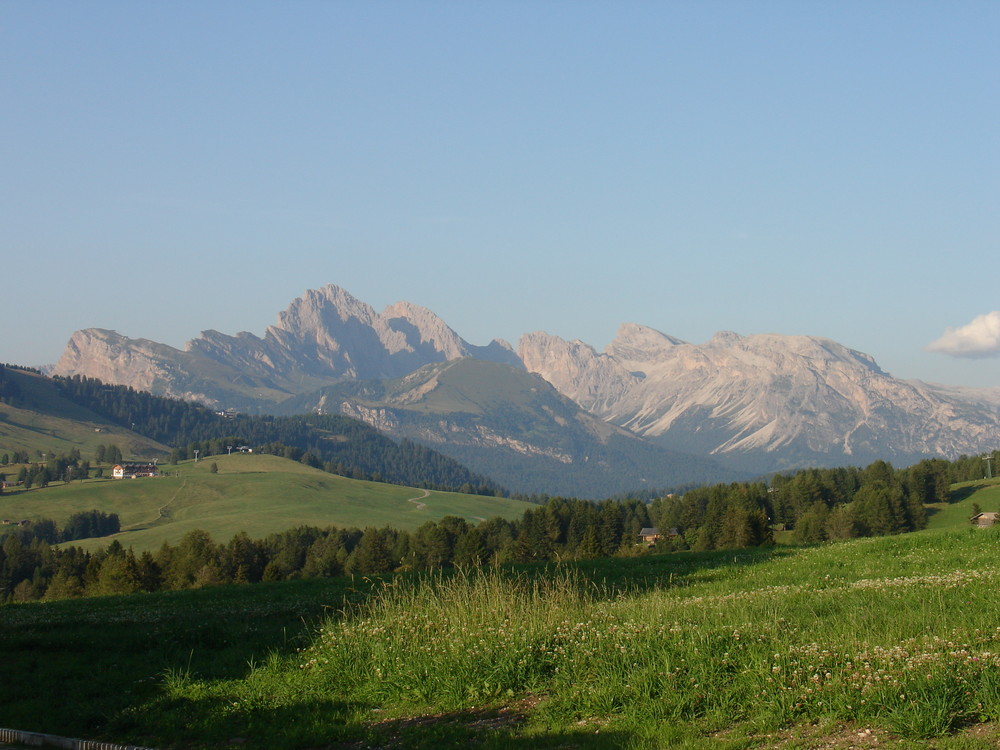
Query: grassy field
x: 891, y: 642
x: 257, y: 494
x: 34, y: 432
x: 985, y: 493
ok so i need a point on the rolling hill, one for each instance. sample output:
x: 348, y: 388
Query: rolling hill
x: 36, y: 418
x: 256, y: 494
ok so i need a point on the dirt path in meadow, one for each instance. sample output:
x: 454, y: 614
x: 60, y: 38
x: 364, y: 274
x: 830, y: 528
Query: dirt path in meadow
x: 848, y: 736
x: 416, y: 500
x: 160, y: 513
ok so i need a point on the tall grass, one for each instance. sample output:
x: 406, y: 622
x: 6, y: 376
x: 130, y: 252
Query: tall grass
x: 899, y: 634
x: 915, y: 650
x: 449, y: 641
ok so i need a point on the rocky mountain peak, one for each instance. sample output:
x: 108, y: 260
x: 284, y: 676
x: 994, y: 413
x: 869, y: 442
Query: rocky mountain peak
x: 419, y: 327
x: 325, y: 335
x: 638, y: 343
x: 318, y: 313
x: 764, y: 401
x: 779, y: 401
x: 113, y: 358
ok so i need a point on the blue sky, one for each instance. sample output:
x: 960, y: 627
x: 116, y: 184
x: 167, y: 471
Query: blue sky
x: 820, y: 168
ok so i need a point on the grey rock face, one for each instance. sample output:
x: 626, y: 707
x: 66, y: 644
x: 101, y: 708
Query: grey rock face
x: 761, y: 402
x: 764, y: 401
x: 324, y: 336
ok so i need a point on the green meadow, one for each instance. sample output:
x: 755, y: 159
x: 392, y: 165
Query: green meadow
x: 879, y: 642
x: 258, y: 494
x: 984, y: 493
x: 37, y: 432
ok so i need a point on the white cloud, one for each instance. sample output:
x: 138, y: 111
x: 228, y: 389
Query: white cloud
x: 980, y: 338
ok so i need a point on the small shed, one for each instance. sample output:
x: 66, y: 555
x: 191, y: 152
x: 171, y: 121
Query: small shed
x: 649, y: 535
x: 989, y: 518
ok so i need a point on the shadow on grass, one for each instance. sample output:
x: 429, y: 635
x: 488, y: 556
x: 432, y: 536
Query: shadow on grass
x: 188, y: 723
x: 962, y: 493
x: 210, y: 722
x: 480, y: 728
x: 648, y: 572
x: 69, y: 666
x: 91, y: 667
x: 213, y: 721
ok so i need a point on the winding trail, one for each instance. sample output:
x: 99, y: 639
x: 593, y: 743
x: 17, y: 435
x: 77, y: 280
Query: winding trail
x: 170, y: 502
x: 416, y: 500
x: 160, y: 513
x: 421, y: 506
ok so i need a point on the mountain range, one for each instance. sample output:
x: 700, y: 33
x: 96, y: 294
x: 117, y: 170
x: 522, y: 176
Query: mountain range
x: 765, y: 402
x: 650, y: 410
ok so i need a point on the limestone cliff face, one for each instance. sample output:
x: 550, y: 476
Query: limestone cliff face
x: 324, y: 336
x: 328, y: 333
x: 113, y: 358
x: 763, y: 402
x: 595, y: 381
x: 769, y: 399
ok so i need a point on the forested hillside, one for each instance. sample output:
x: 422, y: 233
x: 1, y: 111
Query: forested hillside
x: 335, y: 443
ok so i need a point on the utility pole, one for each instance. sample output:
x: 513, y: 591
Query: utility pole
x: 989, y: 469
x: 196, y: 455
x: 229, y: 450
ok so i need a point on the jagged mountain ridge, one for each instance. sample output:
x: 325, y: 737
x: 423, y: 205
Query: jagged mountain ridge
x: 759, y: 402
x: 764, y: 402
x: 324, y: 336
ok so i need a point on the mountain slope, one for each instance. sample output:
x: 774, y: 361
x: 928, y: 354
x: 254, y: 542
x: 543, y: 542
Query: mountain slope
x: 764, y: 402
x: 336, y: 443
x: 324, y: 336
x: 35, y: 417
x: 513, y: 427
x: 757, y: 403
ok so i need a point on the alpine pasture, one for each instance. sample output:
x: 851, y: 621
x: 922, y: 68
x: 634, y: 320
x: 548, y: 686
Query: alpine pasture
x: 256, y: 494
x: 877, y: 642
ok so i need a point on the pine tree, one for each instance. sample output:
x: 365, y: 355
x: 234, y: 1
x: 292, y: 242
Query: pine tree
x: 372, y: 555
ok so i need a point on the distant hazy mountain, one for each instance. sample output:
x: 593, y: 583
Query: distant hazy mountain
x: 513, y: 426
x: 756, y: 403
x: 324, y: 336
x: 764, y: 402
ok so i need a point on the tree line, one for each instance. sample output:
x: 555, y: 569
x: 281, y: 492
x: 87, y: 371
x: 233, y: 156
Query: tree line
x: 85, y: 524
x: 32, y: 568
x: 815, y: 504
x: 64, y: 467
